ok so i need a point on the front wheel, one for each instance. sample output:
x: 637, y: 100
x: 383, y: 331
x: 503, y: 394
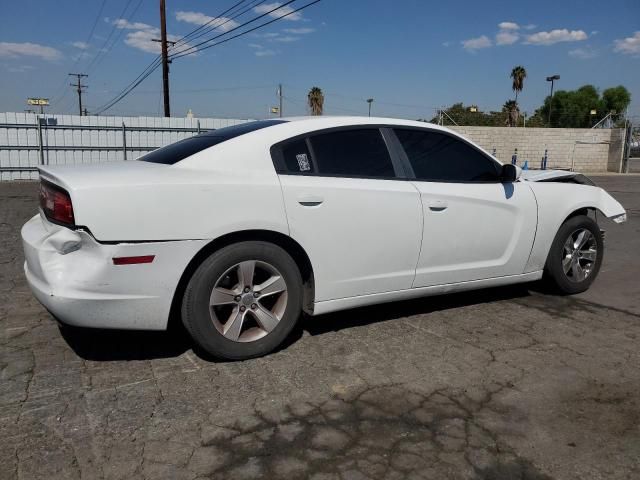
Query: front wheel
x: 575, y: 256
x: 243, y: 300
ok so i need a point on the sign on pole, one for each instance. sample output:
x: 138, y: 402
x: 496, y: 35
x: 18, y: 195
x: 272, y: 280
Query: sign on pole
x: 38, y: 101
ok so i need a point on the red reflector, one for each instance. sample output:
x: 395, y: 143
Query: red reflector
x: 133, y: 260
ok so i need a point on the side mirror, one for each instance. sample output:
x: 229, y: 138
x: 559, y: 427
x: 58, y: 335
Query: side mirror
x: 510, y: 173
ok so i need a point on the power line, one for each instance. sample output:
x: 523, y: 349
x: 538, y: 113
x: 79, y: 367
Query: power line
x: 182, y: 53
x: 178, y: 55
x: 196, y: 90
x: 63, y: 89
x: 106, y: 47
x: 137, y: 81
x: 235, y: 15
x: 95, y: 22
x: 156, y: 63
x: 164, y: 43
x: 103, y: 52
x: 149, y: 69
x: 206, y: 25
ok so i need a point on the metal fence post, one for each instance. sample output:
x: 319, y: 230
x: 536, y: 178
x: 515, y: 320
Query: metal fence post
x: 40, y: 146
x: 124, y: 141
x: 198, y: 126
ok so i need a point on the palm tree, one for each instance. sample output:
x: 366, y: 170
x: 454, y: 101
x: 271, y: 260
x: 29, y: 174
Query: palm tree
x: 518, y: 74
x: 315, y: 100
x: 512, y: 111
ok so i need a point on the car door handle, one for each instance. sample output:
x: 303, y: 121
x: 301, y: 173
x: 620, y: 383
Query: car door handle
x: 310, y: 200
x: 438, y: 205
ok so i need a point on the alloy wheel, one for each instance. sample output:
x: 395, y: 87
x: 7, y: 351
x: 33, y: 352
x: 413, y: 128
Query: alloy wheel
x: 248, y: 301
x: 580, y: 252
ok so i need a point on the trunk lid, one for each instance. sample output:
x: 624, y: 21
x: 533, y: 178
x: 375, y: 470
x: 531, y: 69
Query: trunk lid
x: 77, y: 177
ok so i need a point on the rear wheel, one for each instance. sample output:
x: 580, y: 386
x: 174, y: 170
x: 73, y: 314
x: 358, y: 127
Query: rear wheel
x: 575, y: 256
x: 243, y: 300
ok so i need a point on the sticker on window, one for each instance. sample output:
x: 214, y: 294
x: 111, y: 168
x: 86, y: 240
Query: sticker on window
x: 303, y: 162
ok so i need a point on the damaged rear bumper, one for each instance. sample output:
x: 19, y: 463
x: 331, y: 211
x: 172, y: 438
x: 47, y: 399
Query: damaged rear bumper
x: 75, y: 277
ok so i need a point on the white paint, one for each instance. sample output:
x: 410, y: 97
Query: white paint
x: 363, y: 238
x: 361, y: 301
x: 485, y: 231
x: 85, y: 288
x: 369, y: 241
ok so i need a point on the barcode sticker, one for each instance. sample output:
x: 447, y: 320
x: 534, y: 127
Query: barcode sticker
x: 303, y: 162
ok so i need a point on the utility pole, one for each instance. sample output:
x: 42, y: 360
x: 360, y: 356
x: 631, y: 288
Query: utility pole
x: 79, y: 88
x: 165, y: 57
x: 280, y: 98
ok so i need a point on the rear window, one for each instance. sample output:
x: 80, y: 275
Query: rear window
x: 178, y: 151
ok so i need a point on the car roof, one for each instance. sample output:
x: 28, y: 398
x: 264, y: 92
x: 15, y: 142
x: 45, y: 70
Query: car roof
x: 251, y: 146
x: 345, y: 120
x: 308, y: 124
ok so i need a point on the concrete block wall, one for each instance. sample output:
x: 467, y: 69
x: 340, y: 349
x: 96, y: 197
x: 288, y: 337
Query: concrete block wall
x: 588, y: 150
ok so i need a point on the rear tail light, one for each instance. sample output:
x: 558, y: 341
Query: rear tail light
x: 56, y: 204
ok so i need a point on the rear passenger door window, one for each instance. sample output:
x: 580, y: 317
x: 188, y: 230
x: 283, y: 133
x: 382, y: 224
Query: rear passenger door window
x: 352, y: 153
x: 438, y: 157
x: 343, y: 153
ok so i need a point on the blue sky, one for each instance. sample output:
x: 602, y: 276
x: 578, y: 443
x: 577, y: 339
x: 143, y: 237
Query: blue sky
x: 411, y: 56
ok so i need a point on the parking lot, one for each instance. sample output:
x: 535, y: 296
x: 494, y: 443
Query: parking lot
x: 496, y: 384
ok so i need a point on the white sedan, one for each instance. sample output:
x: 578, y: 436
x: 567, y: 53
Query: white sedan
x: 238, y: 230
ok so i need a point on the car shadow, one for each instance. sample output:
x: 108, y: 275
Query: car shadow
x: 115, y: 345
x: 333, y: 322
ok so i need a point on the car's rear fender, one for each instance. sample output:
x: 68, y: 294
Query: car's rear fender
x: 133, y: 203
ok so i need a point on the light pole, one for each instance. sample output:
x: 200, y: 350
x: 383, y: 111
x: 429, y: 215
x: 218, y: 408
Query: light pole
x: 369, y: 101
x: 551, y: 79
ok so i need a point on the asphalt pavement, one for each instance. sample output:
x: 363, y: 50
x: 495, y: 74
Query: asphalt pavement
x: 495, y: 384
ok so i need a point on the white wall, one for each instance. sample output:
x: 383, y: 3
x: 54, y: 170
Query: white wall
x: 87, y: 144
x: 592, y: 150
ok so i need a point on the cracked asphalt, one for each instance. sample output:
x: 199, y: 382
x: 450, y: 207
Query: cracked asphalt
x: 509, y: 383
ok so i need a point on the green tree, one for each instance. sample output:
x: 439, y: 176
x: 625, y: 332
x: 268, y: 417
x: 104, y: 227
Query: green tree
x: 572, y: 109
x: 315, y: 100
x: 510, y: 107
x: 464, y: 115
x: 616, y: 99
x: 518, y: 74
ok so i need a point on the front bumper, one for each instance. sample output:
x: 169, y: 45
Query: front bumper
x: 74, y: 277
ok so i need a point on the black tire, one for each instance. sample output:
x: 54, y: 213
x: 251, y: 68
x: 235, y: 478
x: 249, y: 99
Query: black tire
x: 196, y: 309
x: 554, y: 274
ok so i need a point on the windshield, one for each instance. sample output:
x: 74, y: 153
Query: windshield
x: 178, y: 151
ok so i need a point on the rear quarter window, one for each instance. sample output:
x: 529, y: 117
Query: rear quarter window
x: 174, y: 153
